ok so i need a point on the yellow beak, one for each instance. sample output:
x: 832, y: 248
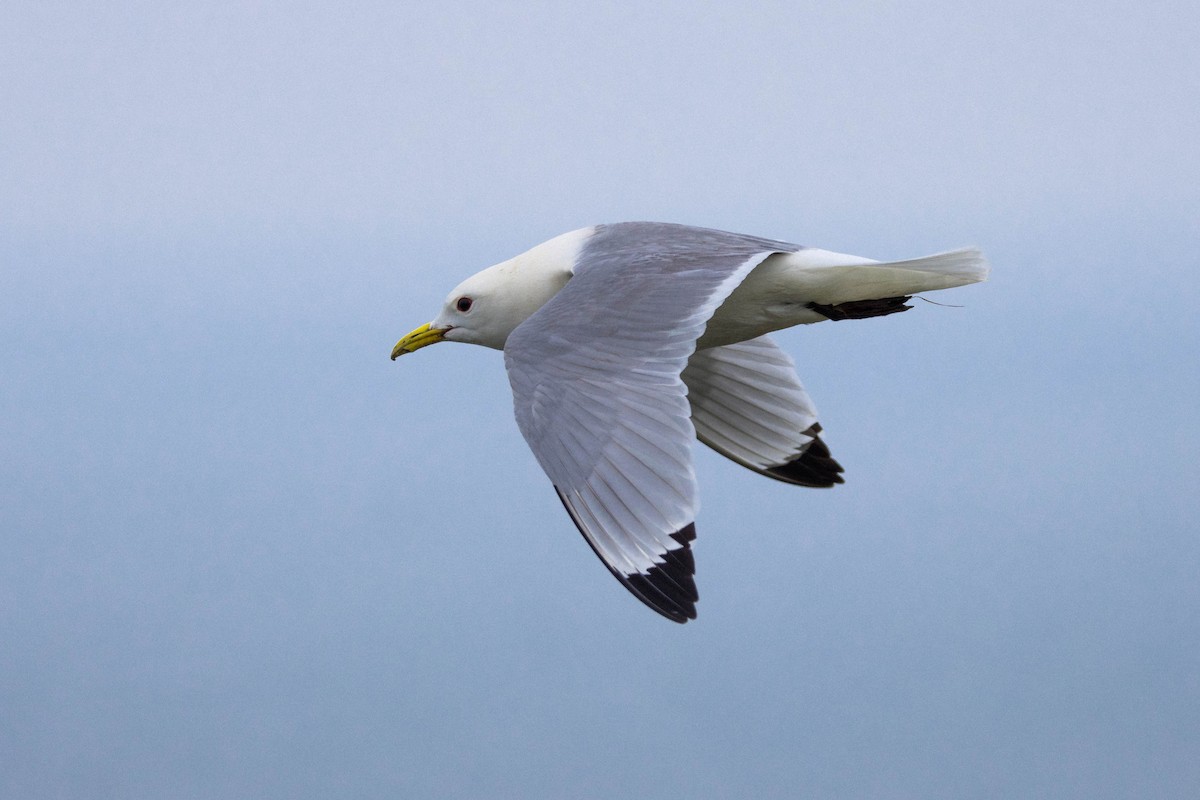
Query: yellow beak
x: 419, y: 338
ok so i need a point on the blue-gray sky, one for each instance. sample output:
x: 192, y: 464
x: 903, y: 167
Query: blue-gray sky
x: 246, y: 555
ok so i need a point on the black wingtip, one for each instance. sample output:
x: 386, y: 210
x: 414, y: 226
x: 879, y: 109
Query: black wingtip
x: 670, y: 587
x: 863, y: 309
x: 815, y: 467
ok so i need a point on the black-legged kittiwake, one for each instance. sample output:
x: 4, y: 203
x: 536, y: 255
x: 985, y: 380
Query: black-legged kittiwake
x: 624, y: 342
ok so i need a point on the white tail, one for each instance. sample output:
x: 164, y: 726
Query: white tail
x: 956, y: 268
x: 832, y: 278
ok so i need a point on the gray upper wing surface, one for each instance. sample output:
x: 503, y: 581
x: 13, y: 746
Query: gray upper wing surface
x: 597, y: 393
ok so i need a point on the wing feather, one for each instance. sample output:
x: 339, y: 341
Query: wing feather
x: 749, y: 405
x: 598, y: 396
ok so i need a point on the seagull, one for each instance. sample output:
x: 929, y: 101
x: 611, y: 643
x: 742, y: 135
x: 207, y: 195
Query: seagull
x: 624, y: 342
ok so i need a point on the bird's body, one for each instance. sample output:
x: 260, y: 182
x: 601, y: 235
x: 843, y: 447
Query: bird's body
x: 625, y: 341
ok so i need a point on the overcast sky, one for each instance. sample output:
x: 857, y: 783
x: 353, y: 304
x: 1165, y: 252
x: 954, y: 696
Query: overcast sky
x: 245, y: 555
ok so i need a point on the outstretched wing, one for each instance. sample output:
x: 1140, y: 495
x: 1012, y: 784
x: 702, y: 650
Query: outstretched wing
x: 749, y: 406
x: 597, y: 392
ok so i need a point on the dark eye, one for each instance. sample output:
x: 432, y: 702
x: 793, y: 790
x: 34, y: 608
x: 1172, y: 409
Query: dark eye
x: 463, y: 304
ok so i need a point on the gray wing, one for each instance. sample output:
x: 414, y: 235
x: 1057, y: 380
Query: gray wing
x: 748, y: 405
x: 597, y: 392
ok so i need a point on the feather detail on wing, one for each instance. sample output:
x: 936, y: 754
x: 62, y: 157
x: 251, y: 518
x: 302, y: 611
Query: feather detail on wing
x: 597, y: 394
x: 748, y: 404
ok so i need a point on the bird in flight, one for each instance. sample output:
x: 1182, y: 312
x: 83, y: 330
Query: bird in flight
x: 624, y: 342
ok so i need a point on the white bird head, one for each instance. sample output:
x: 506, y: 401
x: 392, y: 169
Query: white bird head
x: 486, y: 307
